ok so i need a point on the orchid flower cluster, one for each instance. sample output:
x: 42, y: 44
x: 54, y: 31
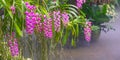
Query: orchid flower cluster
x: 65, y: 18
x: 13, y: 45
x: 12, y: 8
x: 47, y: 27
x: 87, y: 31
x: 79, y: 3
x: 33, y: 21
x: 32, y: 18
x: 56, y: 17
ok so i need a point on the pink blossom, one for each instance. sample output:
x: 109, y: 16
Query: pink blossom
x: 30, y: 7
x: 56, y: 17
x: 13, y: 9
x: 33, y: 19
x: 13, y: 46
x: 79, y: 3
x: 65, y: 18
x: 48, y: 27
x: 87, y: 31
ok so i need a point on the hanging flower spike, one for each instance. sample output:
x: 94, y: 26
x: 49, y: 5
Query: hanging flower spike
x: 13, y: 46
x: 48, y: 27
x: 16, y: 50
x: 65, y: 18
x: 38, y: 24
x: 79, y: 3
x: 12, y: 51
x: 31, y: 18
x: 56, y: 17
x: 89, y: 23
x: 12, y: 8
x: 87, y: 31
x: 29, y: 25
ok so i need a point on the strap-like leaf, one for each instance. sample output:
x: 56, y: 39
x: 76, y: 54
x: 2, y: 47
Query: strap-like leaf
x: 18, y: 29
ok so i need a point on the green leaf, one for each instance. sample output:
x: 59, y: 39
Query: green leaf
x: 71, y: 12
x: 82, y: 13
x: 70, y: 5
x: 52, y: 7
x: 18, y: 29
x: 104, y: 9
x: 73, y: 42
x: 73, y: 30
x: 43, y: 10
x: 73, y: 9
x: 70, y: 16
x: 77, y: 29
x: 65, y: 37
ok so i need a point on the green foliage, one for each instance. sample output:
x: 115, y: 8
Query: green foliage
x: 97, y: 13
x: 11, y: 20
x: 95, y: 28
x: 69, y: 8
x: 77, y: 18
x: 74, y: 27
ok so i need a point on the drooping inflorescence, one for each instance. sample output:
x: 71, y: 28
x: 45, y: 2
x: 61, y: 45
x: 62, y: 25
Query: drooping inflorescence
x: 13, y: 45
x: 34, y: 21
x: 87, y: 31
x: 79, y: 3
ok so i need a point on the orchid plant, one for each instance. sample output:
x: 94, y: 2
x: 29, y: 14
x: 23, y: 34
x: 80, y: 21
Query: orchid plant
x: 48, y: 21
